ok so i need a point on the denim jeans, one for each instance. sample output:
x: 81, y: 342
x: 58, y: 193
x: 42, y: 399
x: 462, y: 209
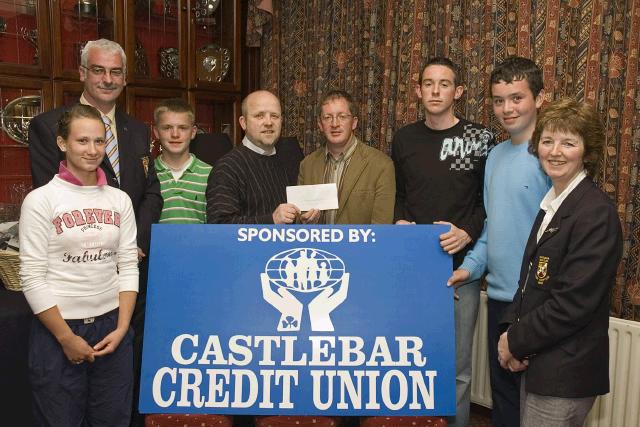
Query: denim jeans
x: 466, y: 313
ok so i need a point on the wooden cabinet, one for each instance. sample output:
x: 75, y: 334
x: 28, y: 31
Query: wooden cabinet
x: 24, y: 38
x: 156, y: 34
x: 217, y: 112
x: 73, y: 22
x: 214, y: 63
x: 20, y: 99
x: 175, y: 48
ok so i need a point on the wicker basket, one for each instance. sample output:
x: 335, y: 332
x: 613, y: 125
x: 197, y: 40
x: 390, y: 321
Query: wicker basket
x: 10, y: 270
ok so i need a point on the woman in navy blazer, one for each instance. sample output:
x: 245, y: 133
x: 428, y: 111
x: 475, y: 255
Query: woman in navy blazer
x: 556, y: 328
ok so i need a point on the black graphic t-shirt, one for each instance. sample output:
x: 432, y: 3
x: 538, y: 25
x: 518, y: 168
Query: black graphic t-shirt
x: 439, y: 175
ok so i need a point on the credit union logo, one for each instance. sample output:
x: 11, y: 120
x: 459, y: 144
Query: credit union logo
x: 305, y: 271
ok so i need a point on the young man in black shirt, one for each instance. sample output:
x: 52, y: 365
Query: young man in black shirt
x: 439, y: 164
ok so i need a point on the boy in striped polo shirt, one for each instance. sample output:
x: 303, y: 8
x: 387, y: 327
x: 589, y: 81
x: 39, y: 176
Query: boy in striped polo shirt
x: 182, y: 176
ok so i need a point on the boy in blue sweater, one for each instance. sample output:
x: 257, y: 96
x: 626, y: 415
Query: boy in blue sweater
x: 514, y: 185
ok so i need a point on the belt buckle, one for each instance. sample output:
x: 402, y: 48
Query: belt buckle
x: 89, y: 320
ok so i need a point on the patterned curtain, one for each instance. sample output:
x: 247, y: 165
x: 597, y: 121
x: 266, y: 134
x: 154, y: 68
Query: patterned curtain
x: 375, y: 49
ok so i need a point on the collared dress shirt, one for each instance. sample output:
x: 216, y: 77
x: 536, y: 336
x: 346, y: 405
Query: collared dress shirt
x: 334, y: 170
x: 551, y: 203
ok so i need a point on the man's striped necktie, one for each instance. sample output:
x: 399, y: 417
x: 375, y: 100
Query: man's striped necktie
x: 112, y: 147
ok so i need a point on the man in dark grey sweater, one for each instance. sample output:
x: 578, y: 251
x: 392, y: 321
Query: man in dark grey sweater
x: 248, y: 184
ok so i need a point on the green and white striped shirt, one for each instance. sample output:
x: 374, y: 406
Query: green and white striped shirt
x: 184, y: 199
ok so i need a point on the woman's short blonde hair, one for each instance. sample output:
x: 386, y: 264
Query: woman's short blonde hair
x: 578, y: 118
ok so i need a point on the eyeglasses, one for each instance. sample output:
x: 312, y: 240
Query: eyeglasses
x: 342, y: 117
x: 97, y: 71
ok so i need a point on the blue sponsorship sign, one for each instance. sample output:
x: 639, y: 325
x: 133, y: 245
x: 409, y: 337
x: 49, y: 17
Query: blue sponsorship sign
x: 299, y: 320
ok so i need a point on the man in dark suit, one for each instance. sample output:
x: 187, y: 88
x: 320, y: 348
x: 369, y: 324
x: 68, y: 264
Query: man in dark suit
x: 127, y: 165
x: 103, y: 72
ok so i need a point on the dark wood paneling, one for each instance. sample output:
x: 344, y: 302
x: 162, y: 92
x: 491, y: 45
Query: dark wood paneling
x: 56, y: 76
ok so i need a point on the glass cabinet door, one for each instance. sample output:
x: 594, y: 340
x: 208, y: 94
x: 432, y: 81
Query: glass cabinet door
x: 23, y: 40
x: 67, y: 93
x: 20, y: 101
x: 217, y: 114
x: 157, y: 45
x: 74, y: 23
x: 215, y: 44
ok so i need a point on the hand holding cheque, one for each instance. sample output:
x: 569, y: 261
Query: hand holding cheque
x: 311, y: 199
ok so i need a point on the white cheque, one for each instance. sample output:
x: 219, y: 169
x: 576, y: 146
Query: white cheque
x: 319, y: 196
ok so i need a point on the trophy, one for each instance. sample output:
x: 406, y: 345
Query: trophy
x: 87, y: 8
x: 169, y: 63
x: 206, y: 8
x: 17, y: 115
x: 213, y: 63
x: 142, y: 65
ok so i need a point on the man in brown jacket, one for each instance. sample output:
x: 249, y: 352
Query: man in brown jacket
x: 364, y: 176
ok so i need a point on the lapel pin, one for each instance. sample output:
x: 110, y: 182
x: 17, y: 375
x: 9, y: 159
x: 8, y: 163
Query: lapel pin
x: 145, y: 165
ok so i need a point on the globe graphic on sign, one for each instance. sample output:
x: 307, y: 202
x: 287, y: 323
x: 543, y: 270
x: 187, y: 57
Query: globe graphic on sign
x: 305, y: 269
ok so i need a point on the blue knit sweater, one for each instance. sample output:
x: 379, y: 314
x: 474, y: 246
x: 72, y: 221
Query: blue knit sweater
x: 514, y: 185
